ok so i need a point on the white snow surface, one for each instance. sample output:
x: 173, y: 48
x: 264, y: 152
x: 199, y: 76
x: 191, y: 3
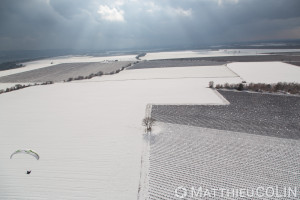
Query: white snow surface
x: 204, y: 74
x: 88, y: 134
x: 266, y: 72
x: 211, y: 53
x: 65, y: 59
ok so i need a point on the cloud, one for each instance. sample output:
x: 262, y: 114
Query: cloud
x: 182, y: 12
x: 151, y: 7
x: 111, y: 14
x: 220, y: 2
x: 77, y: 24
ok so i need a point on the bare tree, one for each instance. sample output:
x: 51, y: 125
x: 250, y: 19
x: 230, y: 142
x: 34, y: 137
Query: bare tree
x: 148, y: 122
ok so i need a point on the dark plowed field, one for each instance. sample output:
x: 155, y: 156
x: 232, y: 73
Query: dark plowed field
x: 174, y: 63
x: 262, y: 114
x: 292, y: 58
x: 61, y: 72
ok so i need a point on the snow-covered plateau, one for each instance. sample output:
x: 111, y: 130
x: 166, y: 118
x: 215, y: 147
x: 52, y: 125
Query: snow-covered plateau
x: 89, y: 134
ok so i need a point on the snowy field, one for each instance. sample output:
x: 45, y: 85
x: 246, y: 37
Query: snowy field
x: 212, y: 53
x: 257, y: 72
x: 149, y: 56
x: 203, y: 74
x: 266, y: 72
x: 88, y: 134
x: 189, y: 156
x: 65, y: 59
x: 61, y: 72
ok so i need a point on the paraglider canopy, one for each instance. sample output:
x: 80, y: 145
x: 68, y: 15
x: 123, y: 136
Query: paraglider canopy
x: 29, y: 151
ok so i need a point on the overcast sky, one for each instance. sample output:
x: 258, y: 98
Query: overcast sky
x: 109, y: 24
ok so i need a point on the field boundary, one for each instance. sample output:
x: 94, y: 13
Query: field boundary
x: 143, y: 192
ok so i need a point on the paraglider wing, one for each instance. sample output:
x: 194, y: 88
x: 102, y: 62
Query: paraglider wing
x: 30, y: 152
